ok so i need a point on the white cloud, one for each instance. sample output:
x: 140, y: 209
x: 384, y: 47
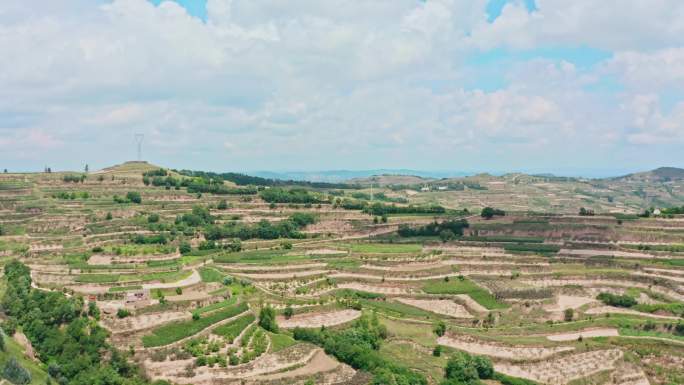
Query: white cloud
x: 266, y: 83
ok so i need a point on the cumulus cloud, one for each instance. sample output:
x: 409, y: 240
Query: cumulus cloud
x: 272, y: 84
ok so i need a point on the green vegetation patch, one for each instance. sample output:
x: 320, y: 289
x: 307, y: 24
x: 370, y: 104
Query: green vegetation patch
x: 464, y: 286
x: 386, y: 248
x: 167, y: 334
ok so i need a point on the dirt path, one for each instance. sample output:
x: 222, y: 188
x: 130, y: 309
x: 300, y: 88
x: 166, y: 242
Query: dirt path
x: 24, y: 342
x: 194, y: 278
x: 587, y: 333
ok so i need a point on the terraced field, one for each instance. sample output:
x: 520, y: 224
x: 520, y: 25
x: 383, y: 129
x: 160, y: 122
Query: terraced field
x: 201, y: 285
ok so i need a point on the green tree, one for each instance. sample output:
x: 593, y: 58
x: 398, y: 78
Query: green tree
x: 446, y: 235
x: 440, y: 328
x: 267, y: 319
x: 568, y: 314
x: 437, y: 351
x: 288, y: 312
x: 93, y: 310
x: 222, y: 205
x: 461, y: 369
x: 184, y: 247
x: 153, y: 218
x: 134, y: 196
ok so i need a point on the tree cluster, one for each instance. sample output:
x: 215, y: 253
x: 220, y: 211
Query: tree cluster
x: 358, y: 346
x: 72, y: 345
x: 295, y: 195
x: 490, y: 212
x: 383, y: 209
x: 454, y: 227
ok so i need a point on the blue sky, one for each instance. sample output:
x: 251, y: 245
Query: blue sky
x: 564, y: 86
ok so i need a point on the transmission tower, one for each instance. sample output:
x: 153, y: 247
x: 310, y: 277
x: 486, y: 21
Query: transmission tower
x: 138, y: 140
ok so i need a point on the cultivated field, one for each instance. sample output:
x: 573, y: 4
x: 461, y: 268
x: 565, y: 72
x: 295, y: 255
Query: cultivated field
x: 204, y: 281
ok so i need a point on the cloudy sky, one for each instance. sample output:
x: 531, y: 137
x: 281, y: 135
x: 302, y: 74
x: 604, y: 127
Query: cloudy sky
x: 565, y: 86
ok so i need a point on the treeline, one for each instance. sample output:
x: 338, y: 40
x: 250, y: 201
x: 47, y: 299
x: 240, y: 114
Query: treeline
x: 295, y: 195
x: 64, y: 333
x: 378, y: 196
x: 244, y: 180
x: 288, y: 228
x: 358, y: 346
x: 446, y: 229
x: 70, y: 178
x: 197, y: 185
x: 673, y: 211
x: 383, y: 209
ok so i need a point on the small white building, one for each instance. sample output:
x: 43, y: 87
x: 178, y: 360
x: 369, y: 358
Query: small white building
x: 425, y: 189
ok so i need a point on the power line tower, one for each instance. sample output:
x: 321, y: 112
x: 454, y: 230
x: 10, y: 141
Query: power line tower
x: 139, y: 140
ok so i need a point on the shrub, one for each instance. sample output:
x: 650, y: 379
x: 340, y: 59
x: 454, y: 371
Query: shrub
x: 489, y: 212
x: 134, y: 197
x: 122, y: 313
x: 616, y: 300
x: 184, y: 247
x: 568, y: 314
x: 267, y: 319
x: 288, y: 313
x: 15, y: 373
x: 153, y: 218
x: 440, y: 328
x: 437, y: 351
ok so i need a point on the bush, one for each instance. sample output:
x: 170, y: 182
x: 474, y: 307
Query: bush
x: 489, y: 212
x: 122, y: 313
x: 134, y: 196
x: 461, y: 369
x: 153, y: 218
x: 184, y: 247
x: 223, y: 205
x: 568, y: 314
x: 616, y: 300
x: 288, y: 313
x: 447, y: 230
x: 437, y: 351
x: 9, y: 327
x: 267, y: 319
x: 15, y: 373
x: 440, y: 328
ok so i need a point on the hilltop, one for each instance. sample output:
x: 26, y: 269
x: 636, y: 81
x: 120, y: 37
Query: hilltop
x: 128, y: 169
x: 661, y: 174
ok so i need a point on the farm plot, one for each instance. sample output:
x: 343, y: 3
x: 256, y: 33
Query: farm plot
x: 177, y: 331
x: 587, y: 333
x: 316, y: 320
x: 511, y: 353
x: 377, y: 289
x: 444, y: 307
x: 291, y: 358
x: 563, y: 370
x: 144, y: 321
x: 621, y: 310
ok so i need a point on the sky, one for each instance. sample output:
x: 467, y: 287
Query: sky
x: 570, y: 87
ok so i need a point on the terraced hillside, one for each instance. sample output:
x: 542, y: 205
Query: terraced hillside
x: 199, y: 280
